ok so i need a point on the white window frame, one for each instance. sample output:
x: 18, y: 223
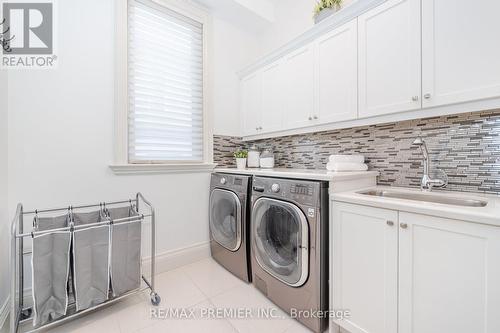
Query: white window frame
x: 121, y: 163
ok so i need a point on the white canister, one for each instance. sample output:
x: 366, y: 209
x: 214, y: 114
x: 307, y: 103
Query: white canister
x: 241, y: 163
x: 253, y: 157
x: 267, y: 159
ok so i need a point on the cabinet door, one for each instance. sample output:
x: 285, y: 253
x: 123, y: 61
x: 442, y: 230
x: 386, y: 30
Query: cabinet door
x: 364, y: 275
x: 272, y: 97
x: 461, y: 51
x: 389, y: 58
x: 299, y: 92
x: 251, y: 103
x: 337, y: 72
x: 449, y: 276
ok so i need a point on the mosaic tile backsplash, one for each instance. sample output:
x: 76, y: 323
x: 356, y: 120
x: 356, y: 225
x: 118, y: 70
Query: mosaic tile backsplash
x: 466, y: 146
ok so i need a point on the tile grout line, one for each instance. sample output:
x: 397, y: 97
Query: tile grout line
x: 226, y: 320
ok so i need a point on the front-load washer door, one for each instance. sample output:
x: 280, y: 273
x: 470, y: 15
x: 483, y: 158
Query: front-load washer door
x: 280, y: 240
x: 225, y: 218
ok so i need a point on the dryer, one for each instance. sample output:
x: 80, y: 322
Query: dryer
x: 229, y: 216
x: 289, y: 246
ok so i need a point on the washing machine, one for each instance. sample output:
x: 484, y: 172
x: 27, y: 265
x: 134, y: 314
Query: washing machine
x: 289, y: 246
x: 229, y: 219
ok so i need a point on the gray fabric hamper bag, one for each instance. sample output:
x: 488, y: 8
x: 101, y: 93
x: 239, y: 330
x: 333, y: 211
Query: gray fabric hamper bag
x: 125, y: 252
x: 90, y: 261
x: 50, y: 270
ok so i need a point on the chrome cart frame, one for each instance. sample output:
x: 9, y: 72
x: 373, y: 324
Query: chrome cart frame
x: 19, y: 314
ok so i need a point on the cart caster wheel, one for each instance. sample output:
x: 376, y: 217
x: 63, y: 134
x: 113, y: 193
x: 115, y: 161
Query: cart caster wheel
x: 155, y: 299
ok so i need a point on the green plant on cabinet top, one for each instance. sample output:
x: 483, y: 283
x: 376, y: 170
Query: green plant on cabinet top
x: 326, y: 4
x: 240, y: 154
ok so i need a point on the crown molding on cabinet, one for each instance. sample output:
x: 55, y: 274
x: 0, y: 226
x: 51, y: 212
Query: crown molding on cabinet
x: 343, y: 16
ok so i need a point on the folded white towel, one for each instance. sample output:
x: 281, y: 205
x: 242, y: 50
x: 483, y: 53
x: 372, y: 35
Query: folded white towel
x: 347, y: 159
x: 346, y: 166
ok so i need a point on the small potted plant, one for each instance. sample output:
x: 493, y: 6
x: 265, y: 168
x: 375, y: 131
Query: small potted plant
x: 325, y: 8
x: 241, y: 159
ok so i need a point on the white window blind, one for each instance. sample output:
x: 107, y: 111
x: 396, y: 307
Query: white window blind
x: 165, y: 85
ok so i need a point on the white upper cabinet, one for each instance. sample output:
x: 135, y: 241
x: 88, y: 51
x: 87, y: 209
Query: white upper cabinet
x: 449, y: 276
x: 299, y: 87
x: 251, y: 106
x: 389, y: 60
x: 272, y: 97
x: 337, y: 70
x: 461, y: 51
x: 401, y: 55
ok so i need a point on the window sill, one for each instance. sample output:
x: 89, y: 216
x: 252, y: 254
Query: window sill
x: 131, y: 169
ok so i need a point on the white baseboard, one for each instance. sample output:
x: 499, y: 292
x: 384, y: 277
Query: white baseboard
x: 4, y: 313
x: 173, y: 259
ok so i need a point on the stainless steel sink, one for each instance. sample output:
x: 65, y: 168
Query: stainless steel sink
x: 427, y: 198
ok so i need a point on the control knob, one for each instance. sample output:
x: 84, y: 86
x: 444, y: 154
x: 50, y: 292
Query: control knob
x: 275, y: 188
x: 223, y: 181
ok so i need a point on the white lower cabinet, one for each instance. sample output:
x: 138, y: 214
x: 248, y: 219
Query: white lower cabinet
x: 410, y: 273
x: 449, y: 276
x: 365, y: 264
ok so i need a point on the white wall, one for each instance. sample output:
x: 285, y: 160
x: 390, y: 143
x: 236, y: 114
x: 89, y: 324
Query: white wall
x: 236, y: 46
x: 61, y: 141
x: 291, y: 18
x: 61, y: 130
x: 233, y: 48
x: 4, y: 220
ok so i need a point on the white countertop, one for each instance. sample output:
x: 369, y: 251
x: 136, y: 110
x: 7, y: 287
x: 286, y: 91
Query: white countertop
x: 311, y: 174
x: 490, y: 214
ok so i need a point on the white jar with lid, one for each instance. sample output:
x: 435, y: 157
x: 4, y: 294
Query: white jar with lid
x: 253, y: 160
x: 267, y: 159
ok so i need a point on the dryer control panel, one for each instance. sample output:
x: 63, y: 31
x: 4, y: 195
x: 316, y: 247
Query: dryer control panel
x: 301, y: 189
x: 302, y: 192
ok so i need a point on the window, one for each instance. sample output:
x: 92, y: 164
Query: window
x: 165, y: 85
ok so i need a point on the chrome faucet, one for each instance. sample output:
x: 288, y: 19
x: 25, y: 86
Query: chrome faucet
x: 427, y: 182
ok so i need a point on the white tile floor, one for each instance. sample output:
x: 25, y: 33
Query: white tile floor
x: 200, y: 286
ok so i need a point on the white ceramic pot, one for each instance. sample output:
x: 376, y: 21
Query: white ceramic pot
x: 241, y: 163
x: 325, y: 13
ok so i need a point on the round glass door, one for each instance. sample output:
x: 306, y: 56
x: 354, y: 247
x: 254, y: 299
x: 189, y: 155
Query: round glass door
x: 225, y: 219
x: 280, y: 240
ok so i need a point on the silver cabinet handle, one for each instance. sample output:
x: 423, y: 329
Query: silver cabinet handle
x: 414, y: 98
x: 256, y: 128
x: 260, y: 128
x: 404, y: 225
x: 427, y: 96
x: 310, y: 118
x: 390, y: 223
x: 315, y: 117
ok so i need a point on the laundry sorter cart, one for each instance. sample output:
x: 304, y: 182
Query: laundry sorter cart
x: 21, y: 314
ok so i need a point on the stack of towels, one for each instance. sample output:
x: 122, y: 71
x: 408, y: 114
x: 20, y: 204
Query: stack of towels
x: 346, y: 163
